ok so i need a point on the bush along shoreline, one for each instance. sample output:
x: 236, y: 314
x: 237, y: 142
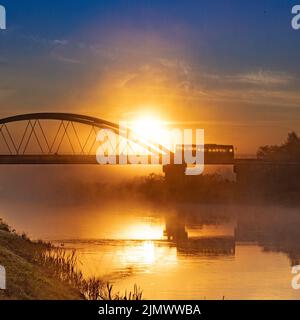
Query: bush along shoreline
x: 36, y: 270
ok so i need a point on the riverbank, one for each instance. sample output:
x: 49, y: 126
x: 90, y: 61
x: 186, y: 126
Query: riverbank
x: 36, y: 270
x: 26, y: 279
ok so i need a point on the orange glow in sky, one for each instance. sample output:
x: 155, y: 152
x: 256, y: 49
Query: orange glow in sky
x: 151, y: 129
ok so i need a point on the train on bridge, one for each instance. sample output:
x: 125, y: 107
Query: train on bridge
x: 213, y: 153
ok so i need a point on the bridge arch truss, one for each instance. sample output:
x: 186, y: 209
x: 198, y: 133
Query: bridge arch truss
x: 39, y: 138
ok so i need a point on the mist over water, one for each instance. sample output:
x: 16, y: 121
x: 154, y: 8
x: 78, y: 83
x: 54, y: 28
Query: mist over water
x: 180, y: 250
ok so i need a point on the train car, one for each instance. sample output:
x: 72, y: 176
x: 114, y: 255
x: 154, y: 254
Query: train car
x: 213, y: 153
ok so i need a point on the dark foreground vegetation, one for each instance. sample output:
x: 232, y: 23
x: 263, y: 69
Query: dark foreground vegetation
x: 39, y: 271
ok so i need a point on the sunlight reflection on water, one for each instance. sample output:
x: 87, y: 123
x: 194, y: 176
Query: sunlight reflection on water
x: 191, y: 257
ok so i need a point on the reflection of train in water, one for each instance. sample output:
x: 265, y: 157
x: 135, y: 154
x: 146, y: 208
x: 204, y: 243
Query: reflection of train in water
x: 213, y: 153
x: 222, y: 245
x: 203, y: 244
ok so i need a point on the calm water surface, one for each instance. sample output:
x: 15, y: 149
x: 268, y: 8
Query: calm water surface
x: 195, y: 252
x: 172, y: 252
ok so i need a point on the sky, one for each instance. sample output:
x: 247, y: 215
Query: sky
x: 230, y: 67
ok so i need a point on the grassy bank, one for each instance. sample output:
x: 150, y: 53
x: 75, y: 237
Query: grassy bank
x: 26, y: 278
x: 39, y: 271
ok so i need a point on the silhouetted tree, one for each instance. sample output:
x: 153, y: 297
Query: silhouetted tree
x: 288, y: 151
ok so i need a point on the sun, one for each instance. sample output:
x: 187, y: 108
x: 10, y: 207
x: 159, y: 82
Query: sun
x: 150, y: 129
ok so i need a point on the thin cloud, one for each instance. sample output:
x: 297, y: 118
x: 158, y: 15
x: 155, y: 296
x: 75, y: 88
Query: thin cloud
x: 262, y: 77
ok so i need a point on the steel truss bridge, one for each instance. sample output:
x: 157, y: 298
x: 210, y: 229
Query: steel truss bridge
x: 63, y: 138
x: 67, y: 138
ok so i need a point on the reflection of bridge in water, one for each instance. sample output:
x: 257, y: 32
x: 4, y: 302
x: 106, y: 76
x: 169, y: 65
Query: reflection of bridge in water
x: 273, y: 231
x: 176, y: 232
x: 65, y: 138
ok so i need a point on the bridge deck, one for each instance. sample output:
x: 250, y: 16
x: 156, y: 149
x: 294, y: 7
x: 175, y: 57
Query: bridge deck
x: 91, y: 159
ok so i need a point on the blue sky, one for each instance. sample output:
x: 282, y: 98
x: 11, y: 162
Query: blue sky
x: 229, y: 66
